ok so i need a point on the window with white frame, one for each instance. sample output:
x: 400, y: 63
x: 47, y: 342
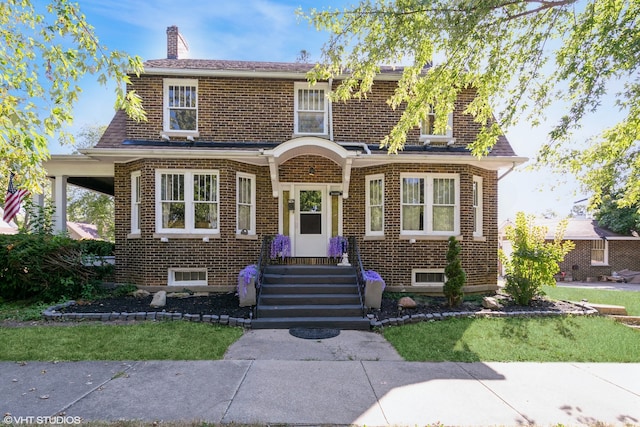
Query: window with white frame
x: 311, y: 107
x: 375, y: 205
x: 246, y: 203
x: 180, y: 106
x: 599, y: 252
x: 135, y: 202
x: 187, y: 201
x: 187, y: 277
x: 477, y: 206
x: 427, y: 277
x: 428, y: 128
x: 430, y: 204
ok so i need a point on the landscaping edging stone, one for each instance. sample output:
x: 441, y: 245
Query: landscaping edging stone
x: 52, y: 314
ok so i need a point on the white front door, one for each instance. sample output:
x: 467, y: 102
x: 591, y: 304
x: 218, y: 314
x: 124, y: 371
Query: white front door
x: 311, y: 230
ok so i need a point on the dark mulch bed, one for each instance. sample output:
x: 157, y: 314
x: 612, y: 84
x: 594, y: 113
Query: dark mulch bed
x: 228, y: 304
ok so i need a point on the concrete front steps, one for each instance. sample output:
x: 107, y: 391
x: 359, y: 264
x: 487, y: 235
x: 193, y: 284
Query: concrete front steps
x: 313, y: 296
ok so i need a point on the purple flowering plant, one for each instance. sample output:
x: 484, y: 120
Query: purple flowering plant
x: 337, y: 246
x: 244, y: 278
x: 280, y: 246
x: 371, y: 275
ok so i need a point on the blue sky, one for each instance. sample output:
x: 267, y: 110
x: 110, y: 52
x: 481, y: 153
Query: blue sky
x: 269, y: 30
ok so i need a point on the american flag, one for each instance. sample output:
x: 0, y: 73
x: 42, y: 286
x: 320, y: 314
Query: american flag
x: 13, y: 200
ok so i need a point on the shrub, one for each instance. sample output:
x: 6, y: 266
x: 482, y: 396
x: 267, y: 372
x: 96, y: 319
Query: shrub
x: 534, y: 261
x: 97, y: 247
x: 454, y: 273
x: 45, y: 267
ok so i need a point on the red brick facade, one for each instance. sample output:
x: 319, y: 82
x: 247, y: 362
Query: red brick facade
x: 622, y: 254
x: 260, y: 110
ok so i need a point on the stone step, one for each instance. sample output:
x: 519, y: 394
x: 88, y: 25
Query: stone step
x: 298, y: 299
x: 308, y: 288
x: 309, y: 310
x: 308, y: 278
x: 352, y: 323
x: 325, y: 270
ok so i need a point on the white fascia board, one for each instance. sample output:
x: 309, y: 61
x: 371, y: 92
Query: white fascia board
x: 120, y: 155
x: 289, y: 75
x: 494, y: 163
x: 77, y: 165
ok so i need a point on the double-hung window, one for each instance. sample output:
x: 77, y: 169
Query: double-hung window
x: 246, y: 204
x: 187, y: 201
x: 599, y: 252
x: 180, y: 106
x: 428, y: 131
x: 311, y: 107
x: 430, y: 204
x: 477, y: 206
x: 375, y: 205
x: 135, y: 202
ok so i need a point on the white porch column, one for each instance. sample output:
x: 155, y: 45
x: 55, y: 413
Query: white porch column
x: 59, y: 192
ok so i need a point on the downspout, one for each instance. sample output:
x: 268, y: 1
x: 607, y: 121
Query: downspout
x: 330, y: 111
x: 507, y: 172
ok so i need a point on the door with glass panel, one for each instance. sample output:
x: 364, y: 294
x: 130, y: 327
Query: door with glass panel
x: 310, y: 222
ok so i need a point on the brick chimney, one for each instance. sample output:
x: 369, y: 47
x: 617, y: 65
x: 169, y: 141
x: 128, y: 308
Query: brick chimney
x: 177, y: 46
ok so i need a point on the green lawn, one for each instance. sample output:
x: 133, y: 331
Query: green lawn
x: 628, y: 299
x: 561, y: 339
x: 178, y: 340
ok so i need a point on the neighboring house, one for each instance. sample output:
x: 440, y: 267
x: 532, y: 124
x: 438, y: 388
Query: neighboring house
x: 598, y: 252
x: 234, y: 151
x: 83, y: 231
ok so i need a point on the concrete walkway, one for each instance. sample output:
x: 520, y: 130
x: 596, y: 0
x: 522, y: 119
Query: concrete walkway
x: 269, y: 377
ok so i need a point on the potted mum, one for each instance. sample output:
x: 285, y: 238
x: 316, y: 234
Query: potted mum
x: 247, y: 285
x: 374, y: 285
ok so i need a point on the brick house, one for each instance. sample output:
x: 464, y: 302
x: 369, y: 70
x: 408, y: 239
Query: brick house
x: 598, y: 252
x: 234, y: 151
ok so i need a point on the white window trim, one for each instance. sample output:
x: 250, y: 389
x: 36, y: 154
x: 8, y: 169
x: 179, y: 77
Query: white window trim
x: 606, y: 254
x: 172, y: 282
x: 447, y: 137
x: 166, y: 130
x: 428, y: 205
x: 479, y: 208
x: 135, y: 202
x: 368, y: 231
x: 252, y: 230
x: 416, y: 271
x: 188, y: 199
x: 305, y: 85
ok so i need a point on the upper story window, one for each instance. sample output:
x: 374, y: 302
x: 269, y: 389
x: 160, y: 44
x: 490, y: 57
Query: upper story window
x: 180, y: 106
x: 430, y: 204
x: 187, y: 201
x: 477, y: 206
x: 428, y: 131
x: 311, y: 109
x: 375, y: 205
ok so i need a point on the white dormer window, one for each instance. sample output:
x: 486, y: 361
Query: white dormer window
x: 428, y: 133
x: 311, y: 109
x: 180, y: 107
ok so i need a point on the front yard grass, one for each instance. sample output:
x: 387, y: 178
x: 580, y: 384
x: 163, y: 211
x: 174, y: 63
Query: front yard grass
x: 559, y: 339
x: 177, y: 340
x: 628, y: 299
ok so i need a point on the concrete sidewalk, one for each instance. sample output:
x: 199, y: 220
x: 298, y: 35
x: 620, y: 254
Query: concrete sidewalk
x: 375, y: 391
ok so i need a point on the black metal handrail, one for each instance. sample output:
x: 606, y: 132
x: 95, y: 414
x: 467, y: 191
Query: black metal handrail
x: 263, y: 261
x: 356, y: 260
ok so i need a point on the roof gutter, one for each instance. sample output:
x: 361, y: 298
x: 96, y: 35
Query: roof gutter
x: 291, y: 75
